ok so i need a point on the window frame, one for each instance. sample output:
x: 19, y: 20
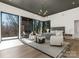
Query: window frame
x: 1, y: 26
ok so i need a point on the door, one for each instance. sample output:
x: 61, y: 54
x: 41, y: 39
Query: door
x: 77, y: 28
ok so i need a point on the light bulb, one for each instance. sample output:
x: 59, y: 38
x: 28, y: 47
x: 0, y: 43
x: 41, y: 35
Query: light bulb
x: 73, y: 3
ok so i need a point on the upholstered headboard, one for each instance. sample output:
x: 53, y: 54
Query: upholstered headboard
x: 58, y: 28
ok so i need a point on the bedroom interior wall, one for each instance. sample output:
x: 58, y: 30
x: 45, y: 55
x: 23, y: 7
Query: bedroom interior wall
x: 65, y: 19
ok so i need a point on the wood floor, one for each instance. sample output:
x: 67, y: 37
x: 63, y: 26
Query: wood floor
x: 74, y: 49
x: 24, y: 51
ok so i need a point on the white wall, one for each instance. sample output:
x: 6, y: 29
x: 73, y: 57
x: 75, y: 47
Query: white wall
x: 20, y: 12
x: 66, y: 19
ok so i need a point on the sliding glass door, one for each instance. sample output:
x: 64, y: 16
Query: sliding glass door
x: 9, y: 26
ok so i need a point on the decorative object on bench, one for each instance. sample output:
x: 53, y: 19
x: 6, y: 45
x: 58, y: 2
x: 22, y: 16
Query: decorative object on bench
x: 57, y: 40
x: 40, y: 39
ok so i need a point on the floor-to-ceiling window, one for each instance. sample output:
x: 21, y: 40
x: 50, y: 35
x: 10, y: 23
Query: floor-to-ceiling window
x: 9, y: 26
x: 36, y: 26
x: 41, y: 26
x: 26, y: 27
x: 29, y: 26
x: 46, y: 26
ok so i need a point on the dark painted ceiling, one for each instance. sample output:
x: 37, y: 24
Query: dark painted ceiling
x: 52, y: 6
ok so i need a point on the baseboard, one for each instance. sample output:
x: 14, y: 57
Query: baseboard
x: 67, y: 34
x: 71, y: 37
x: 76, y: 37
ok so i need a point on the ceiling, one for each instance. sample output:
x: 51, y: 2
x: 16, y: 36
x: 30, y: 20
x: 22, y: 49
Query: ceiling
x: 40, y: 6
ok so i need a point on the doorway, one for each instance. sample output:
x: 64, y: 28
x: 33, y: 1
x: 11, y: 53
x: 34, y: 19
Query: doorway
x: 76, y: 27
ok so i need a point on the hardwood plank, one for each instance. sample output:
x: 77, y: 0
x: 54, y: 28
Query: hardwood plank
x: 74, y: 49
x: 22, y: 51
